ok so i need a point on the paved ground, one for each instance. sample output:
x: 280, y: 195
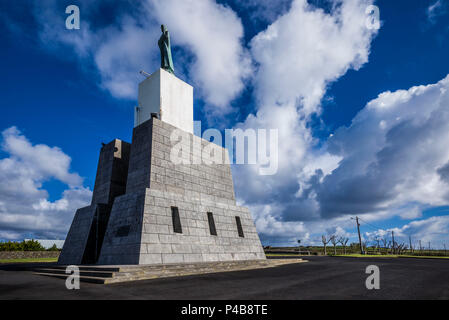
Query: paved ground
x: 320, y: 278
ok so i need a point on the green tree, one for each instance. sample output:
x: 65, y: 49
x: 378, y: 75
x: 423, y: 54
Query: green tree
x: 53, y: 248
x: 32, y: 245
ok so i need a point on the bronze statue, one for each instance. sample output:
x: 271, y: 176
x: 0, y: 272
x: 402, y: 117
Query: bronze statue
x: 164, y: 46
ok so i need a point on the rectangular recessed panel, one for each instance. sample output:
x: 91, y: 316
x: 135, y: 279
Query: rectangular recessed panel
x: 177, y: 228
x: 210, y: 218
x: 239, y: 227
x: 123, y: 231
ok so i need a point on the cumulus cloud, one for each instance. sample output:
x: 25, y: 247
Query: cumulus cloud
x: 394, y: 153
x: 298, y: 56
x: 274, y: 231
x: 393, y: 162
x: 37, y: 162
x: 214, y: 34
x: 113, y: 53
x: 123, y: 52
x: 209, y: 32
x: 306, y: 49
x: 24, y: 205
x: 432, y: 230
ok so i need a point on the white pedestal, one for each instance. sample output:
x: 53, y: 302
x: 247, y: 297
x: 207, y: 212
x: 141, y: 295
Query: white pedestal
x: 167, y: 95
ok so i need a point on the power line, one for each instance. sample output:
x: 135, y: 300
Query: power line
x: 373, y: 226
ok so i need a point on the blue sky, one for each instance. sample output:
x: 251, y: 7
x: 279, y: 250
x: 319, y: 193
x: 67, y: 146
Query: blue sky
x: 63, y: 92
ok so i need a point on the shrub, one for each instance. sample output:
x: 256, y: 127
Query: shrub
x: 30, y: 245
x: 53, y: 248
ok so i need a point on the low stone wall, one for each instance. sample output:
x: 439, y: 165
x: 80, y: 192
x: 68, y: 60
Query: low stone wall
x: 28, y: 254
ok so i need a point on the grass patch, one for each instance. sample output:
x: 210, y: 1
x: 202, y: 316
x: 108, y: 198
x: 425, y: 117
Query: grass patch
x: 285, y: 255
x: 424, y: 257
x: 358, y: 255
x: 389, y: 256
x: 29, y: 260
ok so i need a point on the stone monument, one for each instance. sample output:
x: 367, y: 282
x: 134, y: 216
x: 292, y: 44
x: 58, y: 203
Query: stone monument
x: 146, y: 209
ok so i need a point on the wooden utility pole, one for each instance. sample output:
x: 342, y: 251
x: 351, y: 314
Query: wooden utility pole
x: 358, y: 230
x: 410, y: 240
x: 392, y: 239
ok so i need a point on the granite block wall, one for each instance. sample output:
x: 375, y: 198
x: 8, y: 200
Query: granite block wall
x: 112, y: 171
x: 76, y: 240
x: 139, y: 184
x: 160, y: 244
x: 121, y: 243
x: 196, y: 178
x: 7, y: 255
x: 140, y: 229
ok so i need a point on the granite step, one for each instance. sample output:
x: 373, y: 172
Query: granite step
x: 98, y: 280
x: 116, y: 274
x: 81, y: 268
x: 89, y: 273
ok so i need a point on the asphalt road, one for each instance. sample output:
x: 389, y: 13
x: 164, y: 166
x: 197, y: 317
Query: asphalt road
x: 320, y: 278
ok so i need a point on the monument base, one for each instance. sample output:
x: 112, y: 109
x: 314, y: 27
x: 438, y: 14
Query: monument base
x: 148, y: 238
x: 170, y: 213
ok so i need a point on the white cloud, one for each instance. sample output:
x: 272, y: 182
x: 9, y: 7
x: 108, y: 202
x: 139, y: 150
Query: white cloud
x: 306, y: 49
x: 37, y: 162
x: 214, y: 34
x: 114, y: 53
x: 9, y: 235
x: 274, y: 231
x: 24, y: 205
x: 397, y: 169
x: 433, y: 230
x: 298, y: 56
x: 435, y: 10
x: 122, y: 53
x: 392, y: 161
x: 269, y: 225
x: 211, y: 32
x: 410, y: 213
x: 385, y: 168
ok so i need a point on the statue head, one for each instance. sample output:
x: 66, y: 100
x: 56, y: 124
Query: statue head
x: 163, y: 28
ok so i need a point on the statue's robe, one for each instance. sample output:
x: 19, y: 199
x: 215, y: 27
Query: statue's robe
x: 166, y: 59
